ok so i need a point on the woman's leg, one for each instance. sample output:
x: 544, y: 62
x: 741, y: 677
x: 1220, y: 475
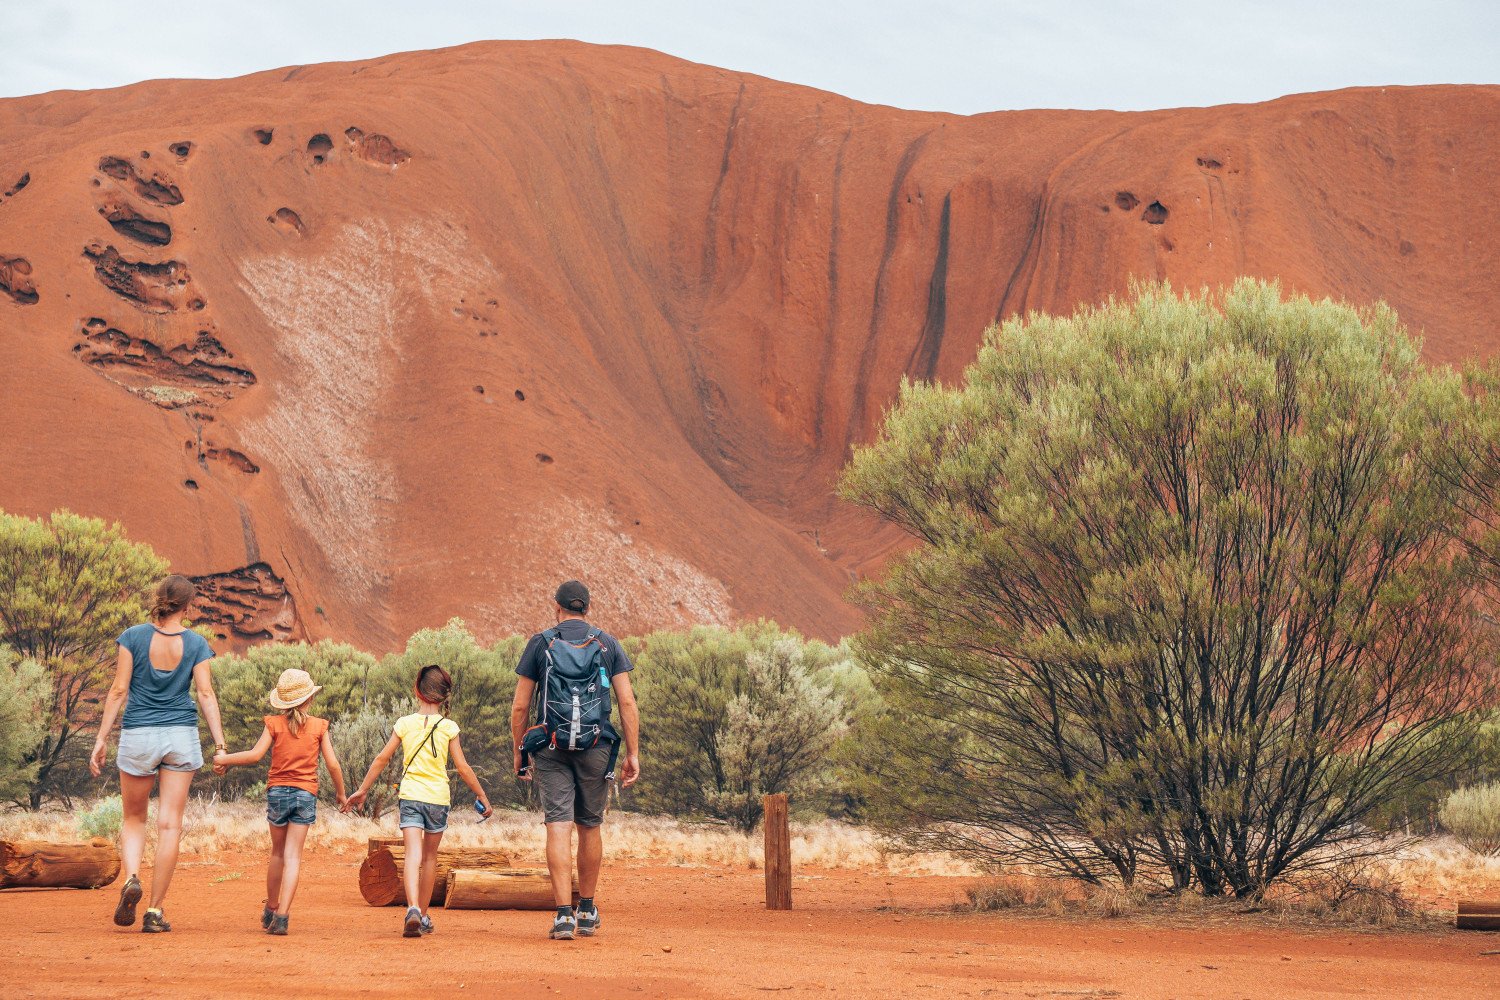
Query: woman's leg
x: 171, y: 800
x: 411, y: 874
x: 135, y: 799
x: 430, y: 844
x: 275, y: 867
x: 293, y: 834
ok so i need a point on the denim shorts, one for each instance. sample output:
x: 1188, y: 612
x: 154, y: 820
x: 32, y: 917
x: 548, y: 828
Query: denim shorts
x: 146, y: 749
x: 424, y: 816
x: 285, y: 804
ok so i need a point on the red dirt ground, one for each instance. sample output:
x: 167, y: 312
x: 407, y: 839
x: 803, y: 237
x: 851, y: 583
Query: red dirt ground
x: 852, y: 935
x: 705, y: 284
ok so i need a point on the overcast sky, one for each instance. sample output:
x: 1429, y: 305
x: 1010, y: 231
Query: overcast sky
x: 942, y: 55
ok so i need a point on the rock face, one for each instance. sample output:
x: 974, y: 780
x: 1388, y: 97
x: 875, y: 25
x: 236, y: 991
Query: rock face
x: 368, y: 345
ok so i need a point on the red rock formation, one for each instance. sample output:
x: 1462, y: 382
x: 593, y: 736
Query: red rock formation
x: 483, y: 318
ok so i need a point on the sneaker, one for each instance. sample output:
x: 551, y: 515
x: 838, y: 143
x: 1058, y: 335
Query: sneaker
x: 130, y: 894
x: 588, y: 922
x: 427, y: 927
x: 154, y: 922
x: 278, y: 925
x: 412, y: 925
x: 563, y: 927
x: 266, y: 913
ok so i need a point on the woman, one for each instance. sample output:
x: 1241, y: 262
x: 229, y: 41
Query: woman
x: 158, y: 737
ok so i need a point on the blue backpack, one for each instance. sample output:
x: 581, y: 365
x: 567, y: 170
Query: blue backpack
x: 573, y: 700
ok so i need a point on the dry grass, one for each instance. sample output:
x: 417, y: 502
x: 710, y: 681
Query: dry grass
x: 1414, y: 888
x: 210, y: 828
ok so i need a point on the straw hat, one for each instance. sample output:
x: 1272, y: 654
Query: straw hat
x: 292, y: 688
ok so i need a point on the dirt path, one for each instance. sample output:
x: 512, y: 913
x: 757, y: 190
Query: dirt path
x: 843, y: 940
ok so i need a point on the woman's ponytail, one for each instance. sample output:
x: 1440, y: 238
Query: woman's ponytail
x: 172, y: 596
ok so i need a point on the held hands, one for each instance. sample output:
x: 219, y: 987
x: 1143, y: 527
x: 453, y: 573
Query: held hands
x: 632, y: 772
x: 219, y: 766
x: 354, y: 801
x: 343, y: 802
x: 96, y: 759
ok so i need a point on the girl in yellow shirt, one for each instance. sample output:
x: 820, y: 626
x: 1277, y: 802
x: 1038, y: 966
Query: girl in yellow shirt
x: 427, y: 739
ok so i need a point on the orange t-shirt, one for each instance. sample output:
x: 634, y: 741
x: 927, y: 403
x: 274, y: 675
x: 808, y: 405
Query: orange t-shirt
x: 294, y: 759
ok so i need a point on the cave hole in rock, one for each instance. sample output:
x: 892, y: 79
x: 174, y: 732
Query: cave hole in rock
x: 287, y: 221
x: 181, y: 150
x: 263, y: 136
x: 191, y: 484
x: 479, y: 389
x: 133, y: 225
x: 1125, y: 201
x: 1155, y: 213
x: 319, y: 146
x: 354, y: 133
x: 1209, y: 163
x: 521, y: 396
x: 544, y: 458
x: 145, y: 154
x: 20, y: 183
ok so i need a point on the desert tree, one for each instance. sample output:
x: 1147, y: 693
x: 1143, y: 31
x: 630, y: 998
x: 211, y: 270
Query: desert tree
x: 1194, y: 588
x: 69, y: 585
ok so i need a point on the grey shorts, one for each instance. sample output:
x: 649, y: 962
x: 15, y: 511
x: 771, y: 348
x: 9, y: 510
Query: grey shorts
x: 146, y: 749
x: 285, y: 804
x: 572, y: 784
x: 425, y: 816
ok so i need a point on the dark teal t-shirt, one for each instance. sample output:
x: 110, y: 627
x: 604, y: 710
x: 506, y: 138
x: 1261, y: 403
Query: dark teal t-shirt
x: 160, y: 697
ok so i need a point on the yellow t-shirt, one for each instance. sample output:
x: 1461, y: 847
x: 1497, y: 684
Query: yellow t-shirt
x: 426, y: 777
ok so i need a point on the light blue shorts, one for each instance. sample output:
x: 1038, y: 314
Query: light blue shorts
x: 145, y: 750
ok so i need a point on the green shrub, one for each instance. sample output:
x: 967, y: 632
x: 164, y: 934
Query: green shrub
x: 1196, y: 588
x: 25, y: 695
x: 102, y: 819
x: 1472, y: 815
x: 358, y: 737
x: 728, y: 715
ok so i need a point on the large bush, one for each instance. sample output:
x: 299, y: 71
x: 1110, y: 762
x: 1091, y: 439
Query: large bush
x: 69, y: 586
x: 25, y: 694
x: 730, y: 715
x: 1472, y: 815
x: 1196, y: 588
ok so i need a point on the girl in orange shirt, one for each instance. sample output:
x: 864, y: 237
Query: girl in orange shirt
x: 295, y: 740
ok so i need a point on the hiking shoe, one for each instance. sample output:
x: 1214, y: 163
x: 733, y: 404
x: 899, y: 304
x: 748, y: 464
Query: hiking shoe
x: 412, y: 925
x: 278, y: 925
x: 130, y: 894
x: 266, y: 913
x: 588, y: 922
x: 154, y: 922
x: 427, y: 927
x: 564, y: 926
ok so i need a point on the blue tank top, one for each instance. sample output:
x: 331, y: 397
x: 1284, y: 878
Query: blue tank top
x: 160, y: 697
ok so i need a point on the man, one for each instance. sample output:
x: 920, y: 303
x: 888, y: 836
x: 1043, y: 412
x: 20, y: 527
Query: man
x: 577, y: 666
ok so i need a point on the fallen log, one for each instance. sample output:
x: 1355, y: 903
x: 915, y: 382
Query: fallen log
x: 1479, y: 915
x: 501, y: 889
x: 30, y: 863
x: 381, y: 843
x: 381, y: 873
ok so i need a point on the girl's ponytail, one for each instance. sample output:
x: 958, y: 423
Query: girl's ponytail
x: 434, y: 685
x: 296, y: 718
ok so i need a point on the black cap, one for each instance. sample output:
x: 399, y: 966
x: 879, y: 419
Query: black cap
x: 573, y: 596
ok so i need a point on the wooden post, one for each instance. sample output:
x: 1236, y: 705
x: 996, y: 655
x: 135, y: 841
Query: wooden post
x: 778, y: 854
x: 1479, y: 915
x: 75, y: 866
